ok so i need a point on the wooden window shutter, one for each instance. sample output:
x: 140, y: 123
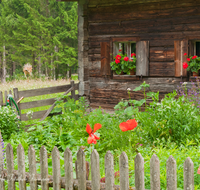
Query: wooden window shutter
x: 105, y: 58
x: 180, y: 47
x: 142, y: 56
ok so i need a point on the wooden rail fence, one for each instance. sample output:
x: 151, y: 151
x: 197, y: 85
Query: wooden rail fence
x: 39, y: 103
x: 80, y: 183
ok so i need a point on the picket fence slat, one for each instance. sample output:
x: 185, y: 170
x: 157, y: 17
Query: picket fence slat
x: 21, y: 167
x: 1, y: 98
x: 124, y: 171
x: 68, y: 169
x: 155, y: 173
x: 171, y: 174
x: 32, y: 168
x: 95, y: 170
x: 2, y: 184
x: 44, y: 168
x: 10, y: 167
x: 188, y: 174
x: 10, y: 92
x: 5, y: 96
x: 139, y: 172
x: 109, y: 171
x: 56, y: 169
x: 81, y: 170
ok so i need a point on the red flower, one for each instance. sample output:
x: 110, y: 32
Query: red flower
x: 194, y: 57
x: 185, y: 65
x: 185, y: 54
x: 188, y: 59
x: 198, y: 171
x: 120, y: 50
x: 117, y: 61
x: 118, y: 57
x: 133, y: 54
x: 92, y: 137
x: 128, y: 125
x: 126, y: 58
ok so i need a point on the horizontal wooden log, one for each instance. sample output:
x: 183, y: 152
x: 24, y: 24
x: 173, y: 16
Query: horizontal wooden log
x: 43, y: 91
x: 163, y: 54
x: 162, y: 69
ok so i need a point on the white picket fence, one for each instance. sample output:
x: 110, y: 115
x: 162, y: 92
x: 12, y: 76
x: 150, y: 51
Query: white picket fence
x: 80, y: 183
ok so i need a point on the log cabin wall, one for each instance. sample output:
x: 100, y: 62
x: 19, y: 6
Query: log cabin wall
x: 160, y: 22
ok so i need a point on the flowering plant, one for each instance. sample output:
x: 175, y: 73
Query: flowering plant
x: 122, y: 63
x: 192, y: 64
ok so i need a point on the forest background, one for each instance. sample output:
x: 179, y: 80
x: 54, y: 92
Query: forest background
x: 40, y: 32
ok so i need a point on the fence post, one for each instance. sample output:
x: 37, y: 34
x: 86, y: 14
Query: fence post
x: 2, y: 184
x: 81, y: 170
x: 32, y: 168
x: 10, y: 167
x: 56, y: 169
x: 1, y: 98
x: 21, y: 167
x: 73, y: 90
x: 16, y: 98
x: 155, y: 173
x: 188, y: 174
x: 171, y: 174
x: 139, y: 172
x: 44, y: 168
x: 124, y: 171
x: 109, y: 171
x: 95, y: 171
x: 68, y: 169
x: 5, y: 97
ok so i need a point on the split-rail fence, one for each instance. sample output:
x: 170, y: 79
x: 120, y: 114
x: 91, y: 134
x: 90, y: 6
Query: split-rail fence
x: 80, y: 183
x: 72, y: 87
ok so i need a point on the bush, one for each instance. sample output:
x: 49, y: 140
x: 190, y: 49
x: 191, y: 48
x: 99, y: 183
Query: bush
x: 8, y: 122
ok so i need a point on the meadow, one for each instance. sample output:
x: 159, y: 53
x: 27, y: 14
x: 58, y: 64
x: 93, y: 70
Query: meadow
x: 167, y: 127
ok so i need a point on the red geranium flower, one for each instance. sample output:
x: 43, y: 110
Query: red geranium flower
x: 126, y: 58
x: 92, y: 137
x: 194, y: 57
x: 133, y: 54
x: 117, y: 61
x: 128, y: 125
x: 185, y: 65
x: 118, y: 57
x: 188, y: 59
x: 198, y: 171
x: 120, y: 50
x: 185, y: 53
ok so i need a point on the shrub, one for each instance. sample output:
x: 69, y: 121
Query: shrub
x: 8, y: 122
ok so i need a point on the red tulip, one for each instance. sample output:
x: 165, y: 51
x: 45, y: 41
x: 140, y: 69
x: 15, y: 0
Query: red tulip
x: 128, y: 125
x: 92, y: 137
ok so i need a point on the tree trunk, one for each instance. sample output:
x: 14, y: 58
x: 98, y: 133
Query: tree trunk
x: 56, y: 69
x: 3, y: 76
x: 39, y: 66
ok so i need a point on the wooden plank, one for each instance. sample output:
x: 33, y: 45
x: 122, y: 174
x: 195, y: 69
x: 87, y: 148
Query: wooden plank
x: 95, y: 170
x: 162, y: 69
x: 155, y: 173
x: 43, y: 91
x: 68, y: 169
x: 124, y: 171
x: 161, y: 54
x: 10, y: 167
x: 2, y: 184
x: 171, y: 174
x: 1, y: 98
x: 5, y: 96
x: 109, y: 171
x: 73, y: 90
x: 56, y: 169
x: 142, y: 56
x: 32, y: 168
x: 81, y: 170
x: 188, y: 174
x: 44, y: 168
x: 21, y: 167
x: 36, y: 115
x: 139, y: 172
x: 105, y: 59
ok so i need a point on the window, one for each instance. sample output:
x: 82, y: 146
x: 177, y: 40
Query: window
x: 125, y: 47
x: 197, y: 48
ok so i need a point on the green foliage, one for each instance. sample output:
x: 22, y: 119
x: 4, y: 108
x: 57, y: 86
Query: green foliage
x: 8, y: 122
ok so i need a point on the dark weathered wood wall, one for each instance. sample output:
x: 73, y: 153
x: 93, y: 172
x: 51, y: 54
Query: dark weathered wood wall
x: 160, y: 22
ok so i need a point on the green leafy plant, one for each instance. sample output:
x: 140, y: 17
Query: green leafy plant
x: 193, y: 63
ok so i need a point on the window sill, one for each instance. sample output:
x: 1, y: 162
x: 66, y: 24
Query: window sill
x: 193, y: 79
x: 125, y: 77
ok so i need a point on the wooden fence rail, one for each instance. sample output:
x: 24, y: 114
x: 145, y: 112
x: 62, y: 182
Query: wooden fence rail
x: 80, y: 183
x: 39, y: 103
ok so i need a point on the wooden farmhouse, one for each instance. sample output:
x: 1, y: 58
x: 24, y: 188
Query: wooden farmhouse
x: 160, y: 31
